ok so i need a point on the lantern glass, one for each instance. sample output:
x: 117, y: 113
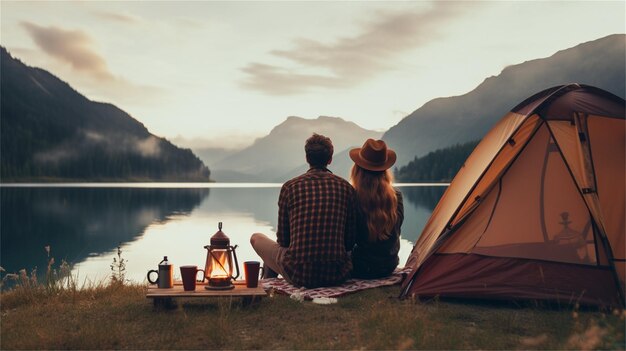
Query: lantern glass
x: 220, y: 264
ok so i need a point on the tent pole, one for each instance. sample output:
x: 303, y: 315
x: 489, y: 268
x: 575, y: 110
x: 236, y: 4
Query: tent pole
x: 581, y: 126
x: 542, y: 206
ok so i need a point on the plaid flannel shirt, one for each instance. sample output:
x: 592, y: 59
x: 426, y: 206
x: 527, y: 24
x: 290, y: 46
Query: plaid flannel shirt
x: 316, y: 223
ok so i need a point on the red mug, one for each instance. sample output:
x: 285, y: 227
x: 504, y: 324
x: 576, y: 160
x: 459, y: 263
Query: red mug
x: 252, y: 269
x: 189, y: 274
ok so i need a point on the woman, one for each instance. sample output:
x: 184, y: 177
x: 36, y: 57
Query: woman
x: 380, y: 211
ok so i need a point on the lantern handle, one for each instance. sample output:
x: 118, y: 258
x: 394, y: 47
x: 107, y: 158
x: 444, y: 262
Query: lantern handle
x: 236, y: 263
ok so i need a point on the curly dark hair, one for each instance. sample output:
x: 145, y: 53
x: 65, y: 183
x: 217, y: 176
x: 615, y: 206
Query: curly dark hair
x: 319, y: 150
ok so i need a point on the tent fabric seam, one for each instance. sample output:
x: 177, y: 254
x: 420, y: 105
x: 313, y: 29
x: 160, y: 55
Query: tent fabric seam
x: 493, y: 211
x: 544, y: 231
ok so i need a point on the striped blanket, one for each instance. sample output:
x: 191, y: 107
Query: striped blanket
x: 279, y: 285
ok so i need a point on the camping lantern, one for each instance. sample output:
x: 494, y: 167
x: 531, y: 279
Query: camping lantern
x: 219, y: 262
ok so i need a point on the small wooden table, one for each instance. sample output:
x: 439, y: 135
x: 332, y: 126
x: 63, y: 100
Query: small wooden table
x: 162, y: 296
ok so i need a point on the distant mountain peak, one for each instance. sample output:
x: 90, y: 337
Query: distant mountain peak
x: 331, y: 118
x: 293, y: 119
x: 271, y: 157
x: 320, y: 125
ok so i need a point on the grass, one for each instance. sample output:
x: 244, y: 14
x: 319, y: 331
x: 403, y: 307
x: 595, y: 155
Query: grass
x: 58, y: 314
x: 118, y: 316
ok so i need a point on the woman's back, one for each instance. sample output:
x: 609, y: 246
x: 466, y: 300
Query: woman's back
x: 376, y: 259
x: 380, y: 210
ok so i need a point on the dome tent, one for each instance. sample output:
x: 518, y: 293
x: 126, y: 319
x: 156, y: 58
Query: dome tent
x: 537, y: 210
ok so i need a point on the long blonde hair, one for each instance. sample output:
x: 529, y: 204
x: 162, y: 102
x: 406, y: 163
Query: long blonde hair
x: 377, y: 199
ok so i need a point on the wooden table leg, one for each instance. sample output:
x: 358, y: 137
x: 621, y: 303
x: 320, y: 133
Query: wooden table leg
x: 163, y: 302
x: 249, y: 300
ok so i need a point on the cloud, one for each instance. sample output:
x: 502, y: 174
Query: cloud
x: 148, y: 147
x: 188, y: 23
x: 117, y: 17
x: 228, y: 139
x: 71, y: 46
x: 76, y: 49
x: 349, y: 61
x: 57, y: 155
x: 117, y: 143
x: 275, y: 80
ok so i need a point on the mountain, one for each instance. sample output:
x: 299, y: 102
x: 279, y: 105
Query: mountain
x: 447, y: 121
x: 50, y: 131
x: 341, y: 165
x: 279, y: 155
x: 206, y: 150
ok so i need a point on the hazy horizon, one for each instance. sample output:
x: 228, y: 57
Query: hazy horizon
x: 225, y: 73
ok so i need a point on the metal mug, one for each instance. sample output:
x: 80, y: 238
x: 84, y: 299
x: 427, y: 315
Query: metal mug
x: 165, y: 274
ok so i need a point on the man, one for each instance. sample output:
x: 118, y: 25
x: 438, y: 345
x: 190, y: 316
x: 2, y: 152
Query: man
x: 316, y: 224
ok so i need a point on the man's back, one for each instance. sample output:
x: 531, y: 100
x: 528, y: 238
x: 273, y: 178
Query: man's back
x: 316, y: 223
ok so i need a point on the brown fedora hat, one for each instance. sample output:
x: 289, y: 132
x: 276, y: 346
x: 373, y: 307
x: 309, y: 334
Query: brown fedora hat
x: 373, y: 156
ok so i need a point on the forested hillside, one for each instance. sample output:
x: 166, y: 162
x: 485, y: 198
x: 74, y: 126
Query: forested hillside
x: 49, y: 131
x: 437, y: 166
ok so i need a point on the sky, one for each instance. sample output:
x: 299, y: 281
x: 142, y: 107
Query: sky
x: 220, y: 74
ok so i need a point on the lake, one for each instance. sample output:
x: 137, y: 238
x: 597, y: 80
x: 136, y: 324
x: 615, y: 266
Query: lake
x: 85, y: 223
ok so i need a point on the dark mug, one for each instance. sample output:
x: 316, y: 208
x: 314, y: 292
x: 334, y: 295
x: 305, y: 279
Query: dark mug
x: 252, y: 269
x: 189, y: 274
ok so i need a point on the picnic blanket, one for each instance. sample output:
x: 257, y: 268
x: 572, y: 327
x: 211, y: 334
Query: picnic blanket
x: 350, y: 286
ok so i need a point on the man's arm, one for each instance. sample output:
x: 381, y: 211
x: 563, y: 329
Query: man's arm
x: 282, y: 232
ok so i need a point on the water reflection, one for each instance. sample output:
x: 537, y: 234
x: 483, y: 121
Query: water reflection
x: 243, y: 211
x: 81, y: 223
x: 424, y: 196
x: 85, y: 225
